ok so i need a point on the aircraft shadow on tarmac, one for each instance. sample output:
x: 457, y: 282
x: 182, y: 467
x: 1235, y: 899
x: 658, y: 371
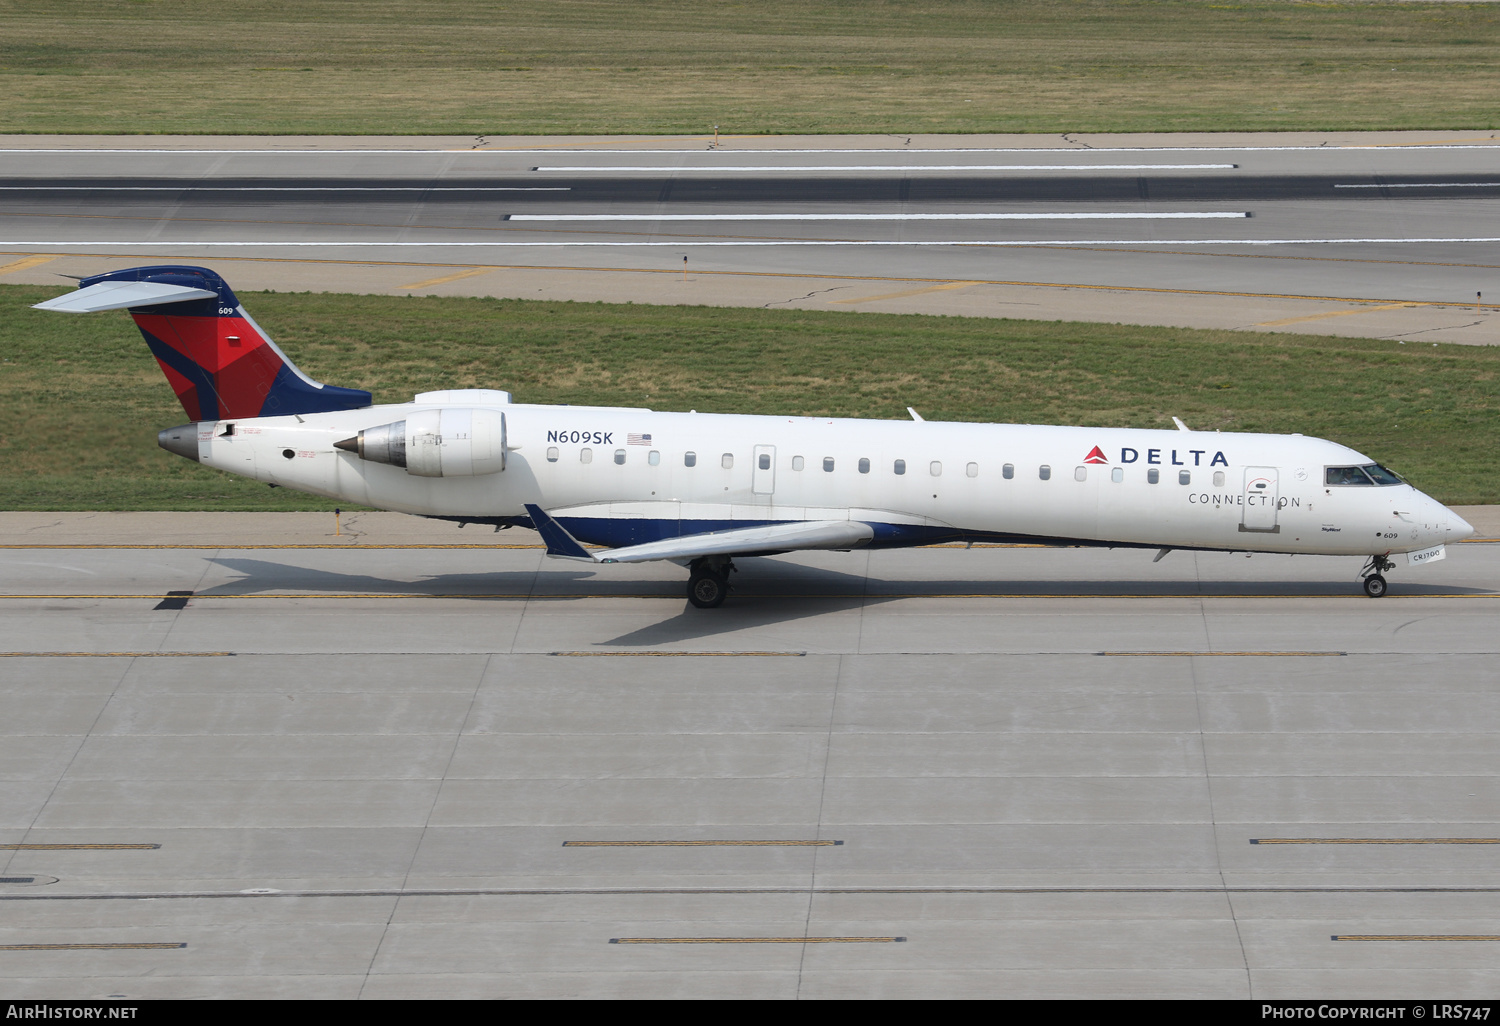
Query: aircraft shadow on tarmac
x: 765, y: 592
x: 766, y: 580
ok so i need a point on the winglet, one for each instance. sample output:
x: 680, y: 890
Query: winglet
x: 559, y: 542
x: 1180, y: 425
x: 914, y: 414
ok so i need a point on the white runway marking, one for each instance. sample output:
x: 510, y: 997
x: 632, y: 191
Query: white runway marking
x: 1045, y: 216
x: 1427, y: 185
x: 185, y: 244
x: 887, y: 167
x: 195, y: 187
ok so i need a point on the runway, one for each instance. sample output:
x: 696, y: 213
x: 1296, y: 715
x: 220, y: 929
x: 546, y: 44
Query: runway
x: 414, y: 761
x: 1378, y: 235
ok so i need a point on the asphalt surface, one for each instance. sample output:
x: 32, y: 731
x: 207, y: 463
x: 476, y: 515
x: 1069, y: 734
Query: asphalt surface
x: 1381, y: 235
x: 361, y: 770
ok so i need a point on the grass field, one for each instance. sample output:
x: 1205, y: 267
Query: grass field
x: 81, y: 398
x: 771, y: 66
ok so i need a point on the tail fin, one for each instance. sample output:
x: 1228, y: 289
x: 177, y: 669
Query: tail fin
x: 218, y: 361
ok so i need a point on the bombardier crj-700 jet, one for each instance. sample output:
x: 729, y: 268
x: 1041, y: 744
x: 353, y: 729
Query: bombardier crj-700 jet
x: 700, y: 489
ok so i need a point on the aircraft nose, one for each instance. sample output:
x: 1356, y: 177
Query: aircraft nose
x: 1458, y: 527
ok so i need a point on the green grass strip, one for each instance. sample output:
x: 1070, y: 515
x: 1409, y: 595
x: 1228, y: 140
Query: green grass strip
x: 469, y: 67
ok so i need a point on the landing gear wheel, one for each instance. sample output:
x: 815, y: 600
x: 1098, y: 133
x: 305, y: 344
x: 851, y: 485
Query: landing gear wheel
x: 707, y: 590
x: 1374, y: 586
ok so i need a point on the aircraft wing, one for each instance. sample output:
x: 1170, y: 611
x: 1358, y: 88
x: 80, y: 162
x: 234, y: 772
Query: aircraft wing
x: 741, y: 541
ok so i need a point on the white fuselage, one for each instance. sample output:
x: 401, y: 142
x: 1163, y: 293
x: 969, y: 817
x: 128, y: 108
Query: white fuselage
x: 618, y: 476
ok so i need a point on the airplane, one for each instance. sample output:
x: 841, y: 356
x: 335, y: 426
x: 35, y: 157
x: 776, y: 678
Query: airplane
x: 700, y: 489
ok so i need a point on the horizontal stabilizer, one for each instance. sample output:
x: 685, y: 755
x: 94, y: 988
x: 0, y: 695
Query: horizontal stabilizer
x: 121, y: 295
x: 747, y: 541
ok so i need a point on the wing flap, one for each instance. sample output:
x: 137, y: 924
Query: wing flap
x: 748, y: 541
x: 121, y: 295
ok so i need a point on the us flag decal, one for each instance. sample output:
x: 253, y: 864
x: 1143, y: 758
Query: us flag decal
x: 634, y: 439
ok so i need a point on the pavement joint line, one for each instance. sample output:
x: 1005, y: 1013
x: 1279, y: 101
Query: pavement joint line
x: 79, y: 847
x: 756, y: 940
x: 663, y: 654
x: 113, y: 655
x: 524, y: 892
x: 998, y: 653
x: 120, y: 946
x: 1375, y: 840
x: 703, y: 844
x: 1416, y: 937
x: 1221, y: 654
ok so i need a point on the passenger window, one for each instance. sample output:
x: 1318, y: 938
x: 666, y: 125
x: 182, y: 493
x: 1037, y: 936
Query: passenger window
x: 552, y: 454
x: 1153, y: 476
x: 972, y: 470
x: 1184, y: 477
x: 585, y: 455
x: 727, y: 461
x: 864, y: 466
x: 828, y: 464
x: 1008, y: 471
x: 1080, y: 473
x: 1117, y: 475
x: 798, y: 463
x: 900, y: 467
x: 620, y: 457
x: 654, y: 458
x: 765, y: 461
x: 1218, y: 479
x: 1045, y: 473
x: 689, y: 459
x: 936, y: 468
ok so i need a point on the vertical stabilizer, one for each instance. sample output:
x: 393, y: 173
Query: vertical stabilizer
x: 216, y: 358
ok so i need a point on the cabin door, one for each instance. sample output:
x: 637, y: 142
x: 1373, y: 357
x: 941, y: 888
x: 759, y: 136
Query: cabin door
x: 1262, y: 498
x: 763, y: 472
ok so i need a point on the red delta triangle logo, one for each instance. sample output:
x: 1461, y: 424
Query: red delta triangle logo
x: 1095, y: 455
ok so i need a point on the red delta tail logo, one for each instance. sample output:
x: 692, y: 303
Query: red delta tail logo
x: 1096, y: 455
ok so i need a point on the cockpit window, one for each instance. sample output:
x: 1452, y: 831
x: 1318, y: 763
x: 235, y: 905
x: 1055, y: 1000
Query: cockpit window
x: 1368, y: 474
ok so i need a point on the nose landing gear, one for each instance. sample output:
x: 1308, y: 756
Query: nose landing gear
x: 708, y: 584
x: 1374, y: 583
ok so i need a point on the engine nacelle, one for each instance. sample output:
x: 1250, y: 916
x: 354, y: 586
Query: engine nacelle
x: 436, y: 443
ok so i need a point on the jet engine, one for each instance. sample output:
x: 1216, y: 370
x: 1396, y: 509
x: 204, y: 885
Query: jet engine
x: 436, y: 443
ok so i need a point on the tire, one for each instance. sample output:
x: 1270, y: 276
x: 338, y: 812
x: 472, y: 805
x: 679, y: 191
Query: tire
x: 707, y: 591
x: 1375, y: 586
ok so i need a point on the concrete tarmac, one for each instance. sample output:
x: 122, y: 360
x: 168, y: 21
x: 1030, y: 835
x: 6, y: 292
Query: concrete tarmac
x: 390, y: 770
x: 1376, y: 234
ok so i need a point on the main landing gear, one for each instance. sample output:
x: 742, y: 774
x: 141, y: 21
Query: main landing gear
x: 709, y: 584
x: 1374, y: 583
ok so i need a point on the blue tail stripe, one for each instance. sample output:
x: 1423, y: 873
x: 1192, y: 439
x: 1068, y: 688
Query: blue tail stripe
x: 202, y: 380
